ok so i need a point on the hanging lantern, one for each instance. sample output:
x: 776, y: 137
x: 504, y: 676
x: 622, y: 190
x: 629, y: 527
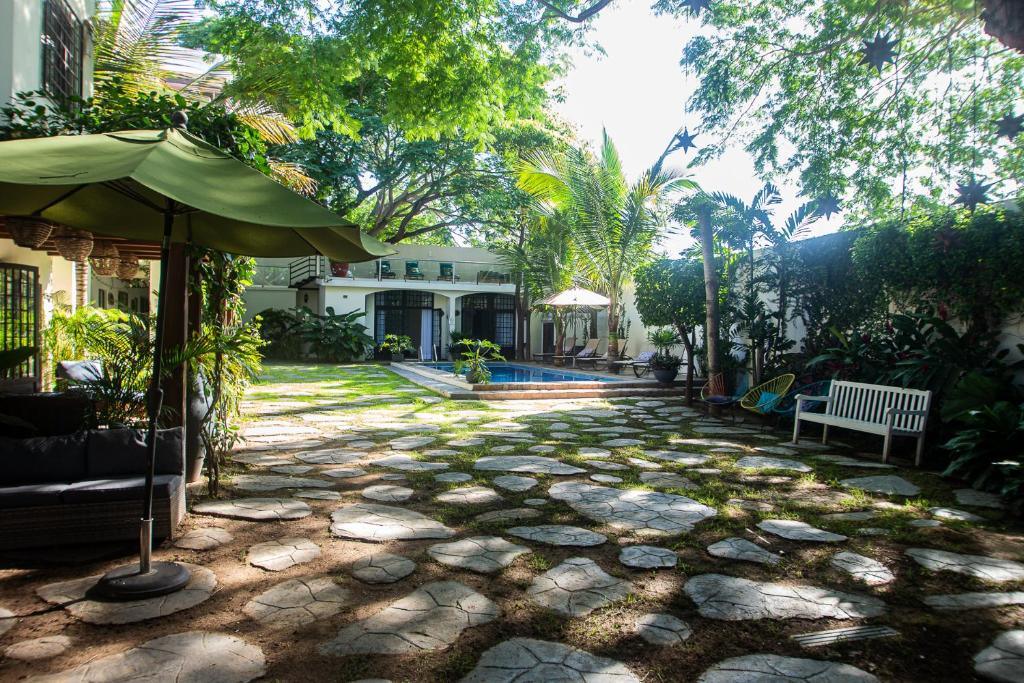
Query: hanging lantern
x: 880, y: 51
x: 29, y: 232
x: 128, y: 267
x: 973, y: 192
x: 73, y: 245
x: 104, y: 258
x: 685, y: 141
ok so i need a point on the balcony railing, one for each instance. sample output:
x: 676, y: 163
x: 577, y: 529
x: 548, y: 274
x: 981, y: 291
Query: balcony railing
x: 271, y: 276
x: 307, y: 269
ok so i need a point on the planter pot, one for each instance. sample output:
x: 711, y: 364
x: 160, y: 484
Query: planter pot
x: 195, y: 453
x: 474, y: 378
x: 666, y: 375
x: 339, y: 268
x: 397, y: 357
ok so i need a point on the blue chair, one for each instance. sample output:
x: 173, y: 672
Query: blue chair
x: 786, y: 407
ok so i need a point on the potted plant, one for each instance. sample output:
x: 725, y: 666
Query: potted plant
x: 394, y: 347
x: 339, y: 268
x: 664, y: 365
x: 475, y: 354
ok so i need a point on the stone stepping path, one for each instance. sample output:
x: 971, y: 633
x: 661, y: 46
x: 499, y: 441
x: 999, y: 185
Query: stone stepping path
x: 38, y: 649
x: 558, y: 534
x: 860, y: 516
x: 750, y: 505
x: 469, y: 495
x: 408, y: 443
x: 795, y: 530
x: 262, y: 460
x: 577, y: 587
x: 465, y: 443
x: 179, y: 658
x: 734, y: 599
x: 407, y: 463
x: 439, y: 452
x: 845, y: 461
x: 633, y: 510
x: 888, y: 484
x: 291, y: 469
x: 372, y: 522
x: 482, y: 554
x: 648, y: 557
x: 515, y: 484
x: 1003, y: 660
x: 760, y: 462
x: 507, y: 515
x: 297, y: 602
x: 606, y: 478
x: 387, y: 493
x: 766, y: 668
x: 452, y: 477
x: 318, y: 494
x: 337, y: 456
x: 528, y: 660
x: 643, y: 464
x: 979, y: 499
x: 955, y: 515
x: 667, y: 480
x: 662, y: 629
x: 621, y: 443
x: 276, y: 556
x: 72, y: 596
x: 978, y: 566
x: 848, y: 634
x: 608, y: 466
x: 430, y: 618
x: 677, y: 457
x: 379, y: 568
x: 255, y: 509
x: 965, y: 601
x: 593, y: 453
x: 744, y: 550
x: 535, y: 464
x: 206, y: 538
x: 776, y: 450
x: 274, y: 482
x: 864, y: 569
x: 344, y: 473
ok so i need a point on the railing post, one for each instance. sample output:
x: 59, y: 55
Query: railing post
x: 379, y: 270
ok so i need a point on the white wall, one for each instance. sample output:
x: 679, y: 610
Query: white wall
x: 258, y: 299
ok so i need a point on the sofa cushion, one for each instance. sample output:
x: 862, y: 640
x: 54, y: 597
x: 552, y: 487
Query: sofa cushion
x: 49, y: 414
x: 122, y: 453
x: 42, y: 460
x: 30, y: 495
x: 120, y: 489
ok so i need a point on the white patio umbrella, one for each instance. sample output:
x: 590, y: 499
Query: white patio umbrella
x: 577, y: 296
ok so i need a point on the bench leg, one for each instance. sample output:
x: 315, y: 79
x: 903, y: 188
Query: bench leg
x: 920, y: 451
x: 796, y: 429
x: 824, y: 434
x: 886, y: 447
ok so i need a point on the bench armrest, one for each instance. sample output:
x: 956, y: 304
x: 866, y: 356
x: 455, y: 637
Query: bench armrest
x: 808, y: 397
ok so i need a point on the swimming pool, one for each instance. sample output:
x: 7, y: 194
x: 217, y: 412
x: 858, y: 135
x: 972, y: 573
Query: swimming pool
x: 508, y: 373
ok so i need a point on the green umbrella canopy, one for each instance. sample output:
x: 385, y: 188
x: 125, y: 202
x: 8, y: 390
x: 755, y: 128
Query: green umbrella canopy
x: 120, y: 183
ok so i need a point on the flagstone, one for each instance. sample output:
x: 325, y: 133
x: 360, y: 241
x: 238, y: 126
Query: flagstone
x: 643, y: 464
x: 525, y: 463
x: 565, y: 436
x: 859, y: 516
x: 872, y: 572
x: 733, y: 599
x: 206, y: 538
x: 845, y: 461
x: 254, y: 509
x: 709, y: 443
x: 621, y: 443
x: 430, y: 618
x: 318, y: 494
x: 337, y: 456
x: 73, y: 596
x: 291, y: 469
x: 979, y: 499
x: 482, y: 554
x: 964, y: 601
x: 465, y: 443
x: 677, y: 457
x: 577, y: 587
x: 407, y: 463
x: 760, y: 462
x: 177, y: 658
x: 662, y: 629
x: 955, y: 515
x: 508, y: 515
x: 633, y: 510
x: 469, y: 495
x: 273, y: 482
x: 382, y: 568
x: 978, y: 566
x: 925, y: 523
x: 766, y: 668
x: 648, y: 557
x: 297, y: 602
x: 887, y: 484
x: 535, y: 501
x: 387, y: 493
x: 408, y: 443
x: 439, y: 452
x: 609, y: 466
x: 514, y: 483
x: 742, y: 549
x: 38, y: 649
x: 668, y: 480
x: 261, y: 459
x: 283, y: 553
x: 558, y: 534
x: 525, y: 660
x: 452, y: 477
x: 795, y: 530
x: 1003, y: 660
x: 750, y: 505
x: 373, y: 522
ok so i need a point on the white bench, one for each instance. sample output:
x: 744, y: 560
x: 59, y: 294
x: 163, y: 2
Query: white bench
x: 872, y: 408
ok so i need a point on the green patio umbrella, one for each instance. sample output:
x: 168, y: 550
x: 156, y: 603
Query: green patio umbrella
x: 171, y: 186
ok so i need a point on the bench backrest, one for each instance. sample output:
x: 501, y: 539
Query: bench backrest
x: 871, y: 403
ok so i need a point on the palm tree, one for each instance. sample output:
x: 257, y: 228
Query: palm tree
x: 613, y: 224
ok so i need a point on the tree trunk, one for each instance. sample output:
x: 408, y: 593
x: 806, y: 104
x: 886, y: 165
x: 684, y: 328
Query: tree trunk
x: 613, y: 328
x: 707, y: 239
x: 688, y: 345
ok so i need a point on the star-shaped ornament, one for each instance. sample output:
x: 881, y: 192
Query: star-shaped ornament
x: 684, y: 141
x: 879, y: 51
x: 1010, y: 126
x: 972, y: 193
x: 696, y: 6
x: 827, y: 205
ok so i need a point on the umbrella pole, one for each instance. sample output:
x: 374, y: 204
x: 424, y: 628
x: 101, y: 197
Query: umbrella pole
x: 149, y: 579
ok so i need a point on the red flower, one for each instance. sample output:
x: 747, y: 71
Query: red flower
x: 943, y: 312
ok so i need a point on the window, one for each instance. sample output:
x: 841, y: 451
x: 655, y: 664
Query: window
x: 19, y: 314
x: 62, y: 50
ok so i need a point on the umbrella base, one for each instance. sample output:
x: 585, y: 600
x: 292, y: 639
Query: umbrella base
x: 127, y: 583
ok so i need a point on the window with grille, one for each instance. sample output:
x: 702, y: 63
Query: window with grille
x: 62, y: 50
x: 19, y: 314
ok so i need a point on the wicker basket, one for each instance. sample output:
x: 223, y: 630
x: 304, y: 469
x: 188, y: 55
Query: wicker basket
x: 29, y: 232
x: 128, y: 267
x: 104, y: 258
x: 73, y: 245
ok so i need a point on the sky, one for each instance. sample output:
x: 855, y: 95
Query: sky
x: 637, y: 91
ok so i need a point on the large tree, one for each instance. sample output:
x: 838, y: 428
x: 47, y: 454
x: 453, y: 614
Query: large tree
x: 790, y: 80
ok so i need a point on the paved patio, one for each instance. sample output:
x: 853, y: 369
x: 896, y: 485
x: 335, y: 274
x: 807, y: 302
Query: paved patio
x: 370, y: 529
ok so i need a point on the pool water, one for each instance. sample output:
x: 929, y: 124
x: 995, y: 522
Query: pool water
x: 507, y: 373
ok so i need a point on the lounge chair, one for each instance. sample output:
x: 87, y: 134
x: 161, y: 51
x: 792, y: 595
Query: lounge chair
x: 592, y: 358
x: 786, y: 407
x: 412, y: 270
x: 447, y: 273
x: 641, y: 364
x: 589, y: 349
x: 568, y: 344
x: 384, y: 271
x: 492, y: 277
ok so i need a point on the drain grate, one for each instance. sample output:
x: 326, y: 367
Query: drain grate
x: 842, y: 635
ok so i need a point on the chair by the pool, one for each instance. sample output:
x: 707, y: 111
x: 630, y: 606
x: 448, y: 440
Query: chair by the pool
x: 384, y: 271
x: 592, y: 358
x: 786, y: 407
x: 568, y: 343
x: 641, y: 364
x: 412, y: 270
x: 447, y: 273
x: 589, y: 349
x: 765, y: 396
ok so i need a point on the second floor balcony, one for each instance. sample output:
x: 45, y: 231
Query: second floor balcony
x: 401, y: 272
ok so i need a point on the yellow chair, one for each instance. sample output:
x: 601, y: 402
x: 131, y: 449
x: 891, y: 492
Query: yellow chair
x: 762, y: 398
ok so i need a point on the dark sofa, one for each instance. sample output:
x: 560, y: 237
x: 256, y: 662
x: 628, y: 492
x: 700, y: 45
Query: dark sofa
x: 87, y: 487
